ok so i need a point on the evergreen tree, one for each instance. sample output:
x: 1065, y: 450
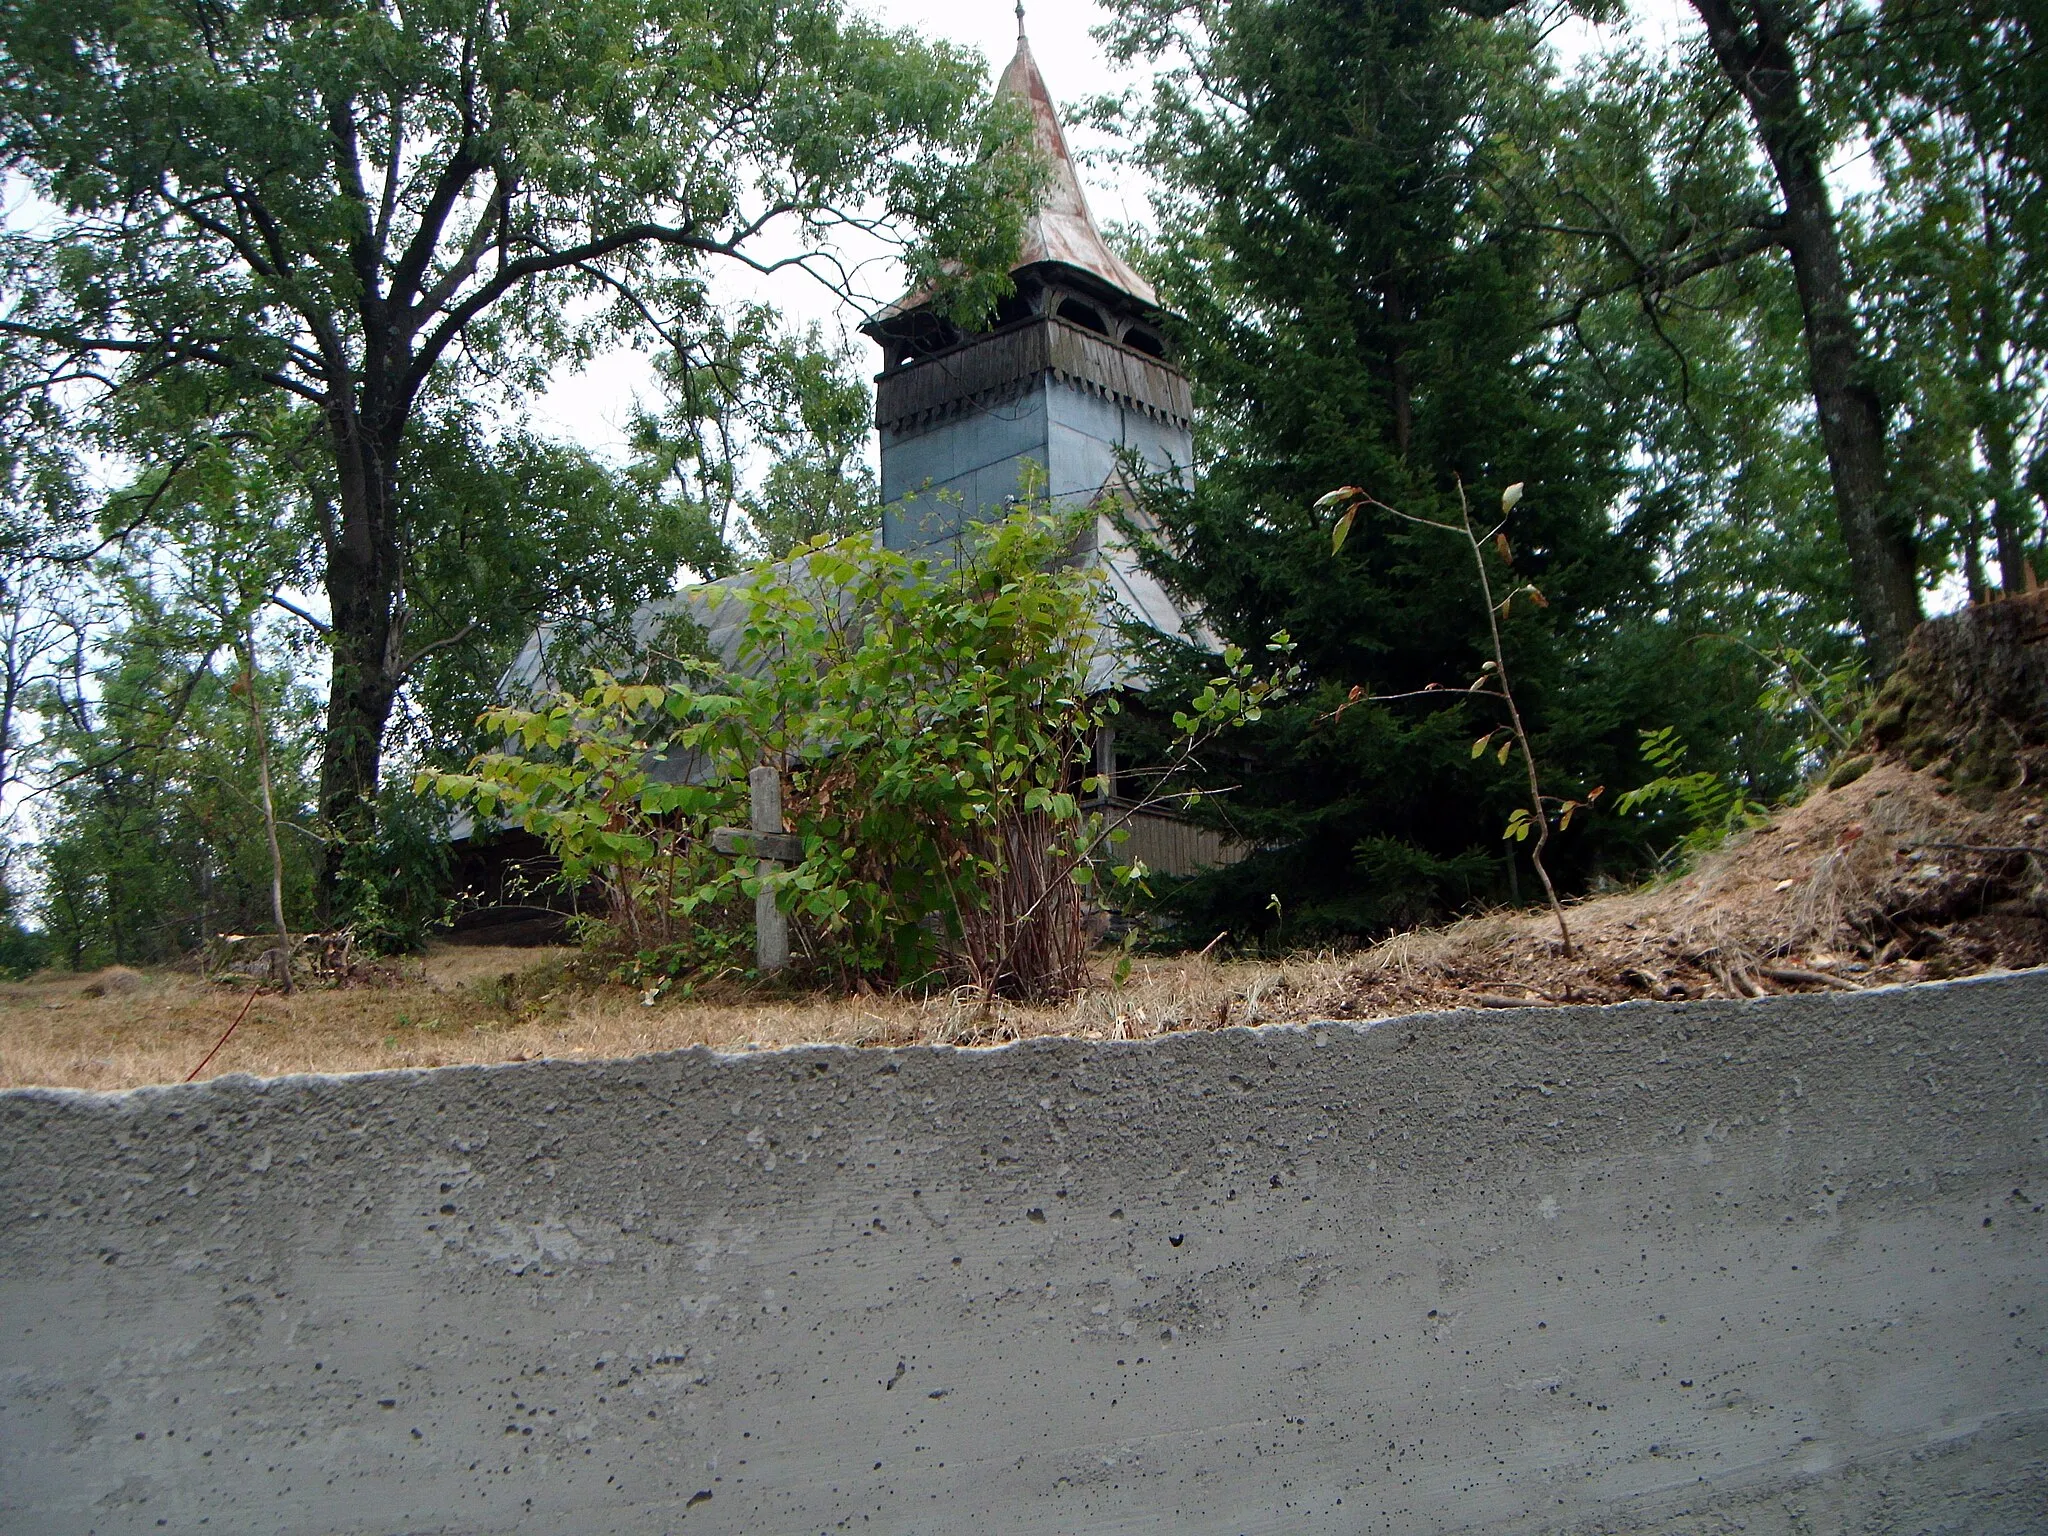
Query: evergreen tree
x: 1362, y: 306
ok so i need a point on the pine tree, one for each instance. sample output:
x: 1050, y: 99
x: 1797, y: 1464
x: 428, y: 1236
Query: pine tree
x: 1360, y: 308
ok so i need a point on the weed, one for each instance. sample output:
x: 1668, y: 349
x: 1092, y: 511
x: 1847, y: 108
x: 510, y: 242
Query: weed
x: 1492, y: 682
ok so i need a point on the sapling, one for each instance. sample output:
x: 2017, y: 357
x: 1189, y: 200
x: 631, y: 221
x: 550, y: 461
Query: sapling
x: 1492, y: 682
x: 246, y: 688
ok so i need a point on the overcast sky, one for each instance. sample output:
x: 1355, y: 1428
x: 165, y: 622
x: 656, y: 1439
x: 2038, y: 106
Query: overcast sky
x: 592, y: 407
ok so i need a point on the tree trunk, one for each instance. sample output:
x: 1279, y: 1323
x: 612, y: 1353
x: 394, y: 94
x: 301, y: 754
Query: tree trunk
x: 2008, y: 504
x: 367, y: 610
x: 1753, y: 42
x: 2011, y: 514
x: 2009, y: 509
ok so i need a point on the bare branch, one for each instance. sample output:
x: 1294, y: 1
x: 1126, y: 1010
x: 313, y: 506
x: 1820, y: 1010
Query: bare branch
x: 1658, y: 275
x: 420, y: 655
x: 176, y: 351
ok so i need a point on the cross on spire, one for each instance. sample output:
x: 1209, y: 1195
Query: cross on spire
x: 1020, y: 20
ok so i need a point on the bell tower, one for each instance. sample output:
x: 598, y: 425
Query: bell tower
x: 1071, y: 371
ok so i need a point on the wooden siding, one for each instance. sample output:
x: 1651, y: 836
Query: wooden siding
x: 1172, y: 846
x: 992, y: 368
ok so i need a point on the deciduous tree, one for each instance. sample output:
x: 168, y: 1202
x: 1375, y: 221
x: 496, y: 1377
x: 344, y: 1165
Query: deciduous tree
x: 360, y: 206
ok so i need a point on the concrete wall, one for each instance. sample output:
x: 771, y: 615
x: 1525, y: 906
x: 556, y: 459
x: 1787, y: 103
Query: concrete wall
x: 1768, y: 1267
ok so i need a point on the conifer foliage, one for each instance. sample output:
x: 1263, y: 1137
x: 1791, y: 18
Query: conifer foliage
x: 1363, y: 308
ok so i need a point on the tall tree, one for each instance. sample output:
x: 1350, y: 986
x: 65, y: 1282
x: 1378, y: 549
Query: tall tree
x: 1953, y: 101
x: 1360, y: 308
x: 357, y: 205
x: 1764, y: 47
x: 1723, y: 156
x: 1696, y: 360
x: 515, y: 532
x: 152, y: 835
x: 1673, y: 171
x: 764, y: 433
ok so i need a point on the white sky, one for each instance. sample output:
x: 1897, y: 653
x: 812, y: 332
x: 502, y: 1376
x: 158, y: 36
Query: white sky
x: 593, y: 406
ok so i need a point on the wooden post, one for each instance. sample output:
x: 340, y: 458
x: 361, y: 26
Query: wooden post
x: 771, y: 928
x: 764, y: 840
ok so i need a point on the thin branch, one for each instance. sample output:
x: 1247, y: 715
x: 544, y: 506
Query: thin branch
x: 1658, y: 275
x: 178, y: 351
x: 513, y: 273
x: 388, y: 209
x: 297, y: 612
x: 432, y: 646
x: 464, y: 268
x: 419, y: 253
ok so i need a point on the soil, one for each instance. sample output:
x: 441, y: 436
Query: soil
x: 1894, y: 877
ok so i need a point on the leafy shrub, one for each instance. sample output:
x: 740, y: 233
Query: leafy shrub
x: 1709, y: 806
x: 394, y: 887
x: 931, y: 723
x: 1823, y: 703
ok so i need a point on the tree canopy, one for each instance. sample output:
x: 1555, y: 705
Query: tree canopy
x: 1758, y: 320
x: 1409, y: 256
x: 346, y: 218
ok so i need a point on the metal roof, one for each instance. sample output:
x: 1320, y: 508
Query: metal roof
x: 1062, y: 229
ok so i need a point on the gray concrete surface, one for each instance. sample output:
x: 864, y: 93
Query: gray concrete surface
x: 1768, y: 1267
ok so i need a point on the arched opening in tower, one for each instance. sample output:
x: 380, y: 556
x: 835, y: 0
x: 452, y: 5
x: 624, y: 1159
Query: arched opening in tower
x: 1089, y: 318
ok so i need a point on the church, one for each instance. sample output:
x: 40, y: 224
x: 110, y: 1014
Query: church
x: 1068, y: 386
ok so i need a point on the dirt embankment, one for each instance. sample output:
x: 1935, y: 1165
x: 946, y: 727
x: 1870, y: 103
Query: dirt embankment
x: 1891, y: 878
x: 1923, y: 856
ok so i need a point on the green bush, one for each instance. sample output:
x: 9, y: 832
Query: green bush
x: 932, y: 724
x: 394, y: 887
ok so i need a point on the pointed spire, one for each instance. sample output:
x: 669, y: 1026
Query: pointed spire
x: 1063, y: 229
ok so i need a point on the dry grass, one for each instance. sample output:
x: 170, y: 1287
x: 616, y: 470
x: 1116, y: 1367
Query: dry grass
x: 463, y: 1005
x: 1840, y: 891
x: 1855, y: 887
